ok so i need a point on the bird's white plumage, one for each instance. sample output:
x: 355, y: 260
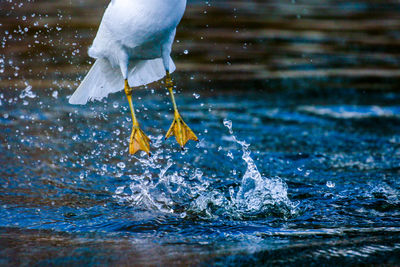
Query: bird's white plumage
x: 133, y: 42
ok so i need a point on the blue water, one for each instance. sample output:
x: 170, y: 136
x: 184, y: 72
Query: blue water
x: 278, y: 177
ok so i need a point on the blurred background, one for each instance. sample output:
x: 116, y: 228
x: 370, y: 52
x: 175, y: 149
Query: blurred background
x: 307, y: 175
x: 256, y: 45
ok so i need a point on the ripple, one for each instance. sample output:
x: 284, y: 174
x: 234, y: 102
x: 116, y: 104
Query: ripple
x: 352, y: 112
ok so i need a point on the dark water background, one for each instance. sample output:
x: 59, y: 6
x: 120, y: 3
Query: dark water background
x: 297, y: 107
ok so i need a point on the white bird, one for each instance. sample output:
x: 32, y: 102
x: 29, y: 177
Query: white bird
x: 132, y: 48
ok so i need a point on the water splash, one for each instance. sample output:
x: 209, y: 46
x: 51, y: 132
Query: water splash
x: 256, y: 196
x: 159, y: 187
x: 188, y: 191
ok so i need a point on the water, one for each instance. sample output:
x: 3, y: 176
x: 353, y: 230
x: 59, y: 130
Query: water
x: 265, y: 181
x: 299, y: 152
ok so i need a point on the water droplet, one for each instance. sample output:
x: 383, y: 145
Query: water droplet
x: 27, y: 92
x: 197, y: 96
x: 228, y: 124
x: 330, y: 184
x: 121, y: 165
x: 186, y: 52
x: 119, y: 190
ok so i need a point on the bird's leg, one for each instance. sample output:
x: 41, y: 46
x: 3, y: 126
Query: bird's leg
x: 178, y: 128
x: 138, y: 140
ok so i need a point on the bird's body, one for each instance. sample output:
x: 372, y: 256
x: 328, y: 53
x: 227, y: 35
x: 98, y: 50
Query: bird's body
x: 137, y: 29
x: 133, y: 44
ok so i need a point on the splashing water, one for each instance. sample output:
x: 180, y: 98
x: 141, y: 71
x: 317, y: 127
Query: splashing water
x: 190, y: 192
x: 155, y: 188
x: 256, y: 196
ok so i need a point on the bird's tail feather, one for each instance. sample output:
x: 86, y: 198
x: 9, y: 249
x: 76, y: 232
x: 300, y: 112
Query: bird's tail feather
x: 101, y: 80
x: 104, y: 79
x: 147, y: 71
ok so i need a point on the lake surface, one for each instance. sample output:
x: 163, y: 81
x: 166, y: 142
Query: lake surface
x: 297, y: 108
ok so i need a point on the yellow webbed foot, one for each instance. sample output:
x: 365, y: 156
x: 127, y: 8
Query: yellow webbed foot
x: 139, y: 141
x: 181, y: 131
